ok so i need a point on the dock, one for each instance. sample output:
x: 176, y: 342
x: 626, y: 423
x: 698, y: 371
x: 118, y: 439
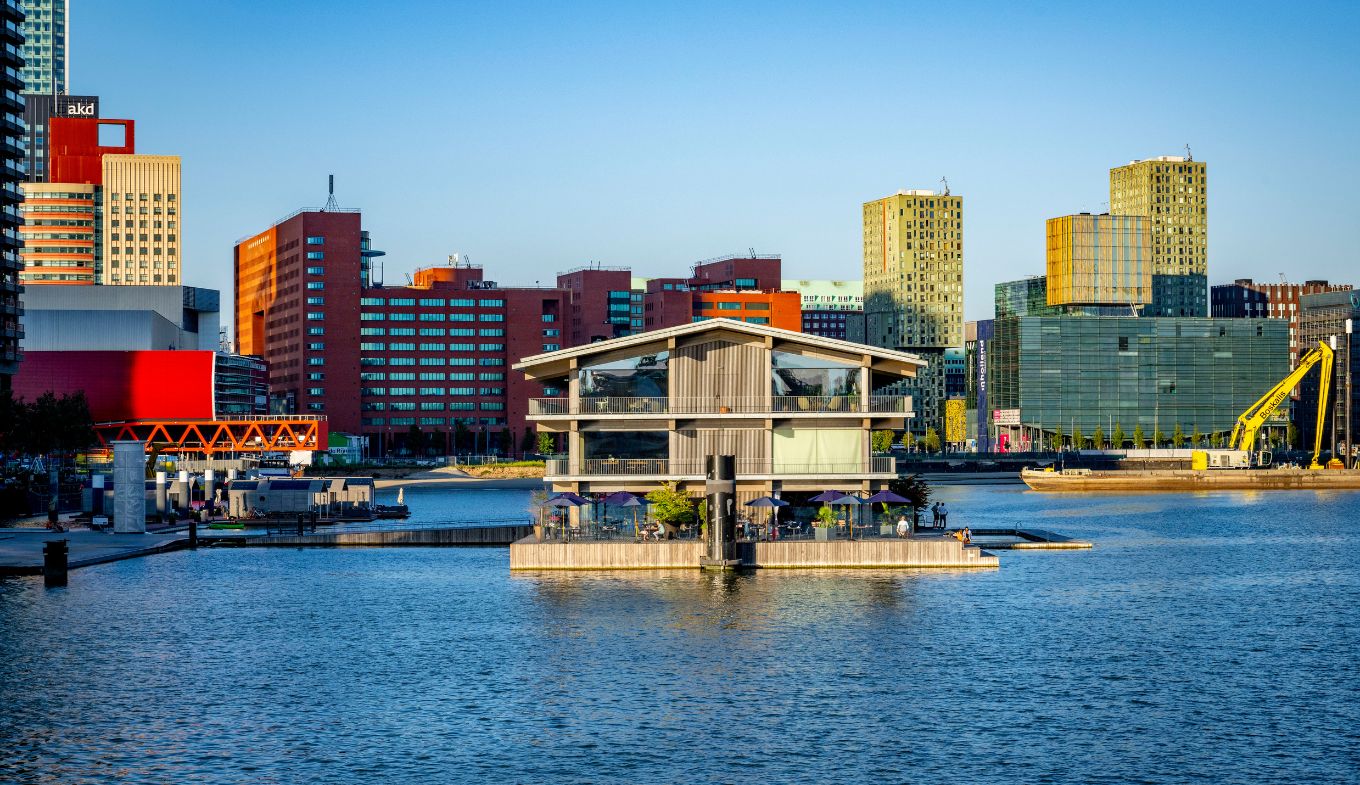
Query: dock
x: 1031, y: 540
x: 922, y: 552
x: 442, y: 535
x: 21, y: 550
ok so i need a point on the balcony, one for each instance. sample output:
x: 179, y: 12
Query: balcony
x: 775, y: 404
x: 688, y: 469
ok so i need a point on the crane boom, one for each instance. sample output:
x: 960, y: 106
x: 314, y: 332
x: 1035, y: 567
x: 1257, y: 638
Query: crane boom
x: 1250, y: 421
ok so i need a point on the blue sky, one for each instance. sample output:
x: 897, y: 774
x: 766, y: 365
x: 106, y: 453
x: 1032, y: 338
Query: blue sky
x: 539, y: 137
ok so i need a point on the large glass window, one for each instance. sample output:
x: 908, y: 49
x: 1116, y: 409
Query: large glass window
x: 625, y: 444
x: 797, y: 374
x: 632, y: 377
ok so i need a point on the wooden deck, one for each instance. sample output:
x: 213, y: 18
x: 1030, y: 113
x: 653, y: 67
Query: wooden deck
x: 917, y: 552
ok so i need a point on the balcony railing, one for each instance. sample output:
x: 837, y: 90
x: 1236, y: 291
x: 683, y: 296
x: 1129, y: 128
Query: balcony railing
x: 788, y: 404
x: 648, y: 467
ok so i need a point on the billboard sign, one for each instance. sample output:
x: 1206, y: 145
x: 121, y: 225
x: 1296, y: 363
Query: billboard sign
x: 1006, y: 416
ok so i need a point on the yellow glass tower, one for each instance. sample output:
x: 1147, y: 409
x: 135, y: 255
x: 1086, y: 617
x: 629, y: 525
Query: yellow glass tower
x: 1172, y: 193
x: 913, y: 271
x: 1099, y: 260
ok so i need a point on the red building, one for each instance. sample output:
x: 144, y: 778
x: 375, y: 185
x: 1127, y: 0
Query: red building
x: 600, y: 304
x: 75, y: 154
x: 297, y: 287
x: 777, y: 309
x: 735, y: 287
x: 738, y: 272
x: 388, y: 361
x: 1244, y: 298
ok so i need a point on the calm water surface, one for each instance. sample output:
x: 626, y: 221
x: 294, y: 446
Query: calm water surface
x: 1206, y: 639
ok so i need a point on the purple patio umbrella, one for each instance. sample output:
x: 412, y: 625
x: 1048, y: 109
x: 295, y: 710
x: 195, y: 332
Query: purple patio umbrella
x: 827, y: 496
x: 771, y: 502
x: 625, y: 499
x: 885, y: 497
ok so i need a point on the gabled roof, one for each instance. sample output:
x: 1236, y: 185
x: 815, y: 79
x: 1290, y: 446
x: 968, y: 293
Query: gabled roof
x: 721, y: 325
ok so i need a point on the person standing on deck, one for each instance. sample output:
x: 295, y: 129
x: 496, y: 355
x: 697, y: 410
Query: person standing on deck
x: 943, y: 513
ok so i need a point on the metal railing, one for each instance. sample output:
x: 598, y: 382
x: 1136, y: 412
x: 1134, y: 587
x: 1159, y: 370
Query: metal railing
x: 639, y: 467
x: 794, y: 404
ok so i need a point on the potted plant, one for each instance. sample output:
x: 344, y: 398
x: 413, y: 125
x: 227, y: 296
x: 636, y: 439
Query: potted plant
x: 823, y: 523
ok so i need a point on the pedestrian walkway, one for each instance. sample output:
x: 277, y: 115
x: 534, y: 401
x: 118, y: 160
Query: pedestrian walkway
x: 21, y: 550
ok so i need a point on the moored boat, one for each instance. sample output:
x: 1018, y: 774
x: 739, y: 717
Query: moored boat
x: 1271, y: 479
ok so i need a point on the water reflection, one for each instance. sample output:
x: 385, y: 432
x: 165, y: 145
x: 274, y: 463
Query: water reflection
x: 1205, y: 639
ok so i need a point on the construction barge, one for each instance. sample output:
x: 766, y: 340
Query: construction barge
x: 1276, y: 479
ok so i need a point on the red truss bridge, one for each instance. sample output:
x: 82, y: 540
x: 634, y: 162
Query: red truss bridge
x: 253, y: 434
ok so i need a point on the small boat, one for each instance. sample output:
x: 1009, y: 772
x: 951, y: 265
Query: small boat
x: 391, y: 511
x: 226, y: 525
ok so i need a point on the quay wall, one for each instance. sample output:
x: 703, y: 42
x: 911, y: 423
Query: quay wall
x: 529, y: 554
x: 471, y: 536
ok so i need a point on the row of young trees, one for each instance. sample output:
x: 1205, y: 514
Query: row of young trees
x: 1139, y: 439
x: 882, y: 441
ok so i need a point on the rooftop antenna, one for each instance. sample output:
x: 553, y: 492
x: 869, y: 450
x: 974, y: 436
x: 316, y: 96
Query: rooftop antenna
x: 945, y: 182
x: 1188, y: 156
x: 331, y: 204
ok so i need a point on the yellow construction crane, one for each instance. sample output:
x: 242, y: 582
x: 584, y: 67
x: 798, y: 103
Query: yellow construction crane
x: 1249, y: 422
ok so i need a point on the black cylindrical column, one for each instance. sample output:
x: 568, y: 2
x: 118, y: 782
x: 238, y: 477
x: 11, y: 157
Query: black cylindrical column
x: 720, y: 490
x: 55, y: 563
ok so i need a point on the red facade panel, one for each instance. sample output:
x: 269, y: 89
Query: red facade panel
x: 75, y: 155
x: 141, y: 385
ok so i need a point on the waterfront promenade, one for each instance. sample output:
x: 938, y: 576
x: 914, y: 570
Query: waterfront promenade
x: 21, y: 550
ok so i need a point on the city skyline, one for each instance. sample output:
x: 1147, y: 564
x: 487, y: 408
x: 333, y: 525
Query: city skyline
x: 656, y: 141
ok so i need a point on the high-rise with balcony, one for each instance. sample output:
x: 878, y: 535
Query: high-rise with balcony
x: 11, y: 165
x: 913, y: 286
x: 1171, y: 192
x: 45, y: 64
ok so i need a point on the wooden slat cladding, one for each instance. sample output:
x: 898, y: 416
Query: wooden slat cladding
x: 748, y: 444
x: 720, y: 369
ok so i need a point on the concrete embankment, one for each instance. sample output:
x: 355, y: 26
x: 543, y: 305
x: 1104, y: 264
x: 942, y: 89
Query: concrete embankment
x: 917, y: 552
x: 471, y: 536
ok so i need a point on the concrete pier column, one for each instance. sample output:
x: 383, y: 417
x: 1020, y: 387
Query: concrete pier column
x: 720, y: 490
x: 55, y: 555
x: 183, y: 490
x: 161, y: 500
x: 209, y: 487
x: 129, y: 487
x: 231, y: 475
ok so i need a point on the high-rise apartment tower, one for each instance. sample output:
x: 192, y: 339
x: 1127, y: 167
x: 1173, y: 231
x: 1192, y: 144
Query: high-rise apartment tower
x: 1172, y: 193
x: 913, y: 270
x: 11, y: 152
x: 46, y: 67
x: 913, y: 287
